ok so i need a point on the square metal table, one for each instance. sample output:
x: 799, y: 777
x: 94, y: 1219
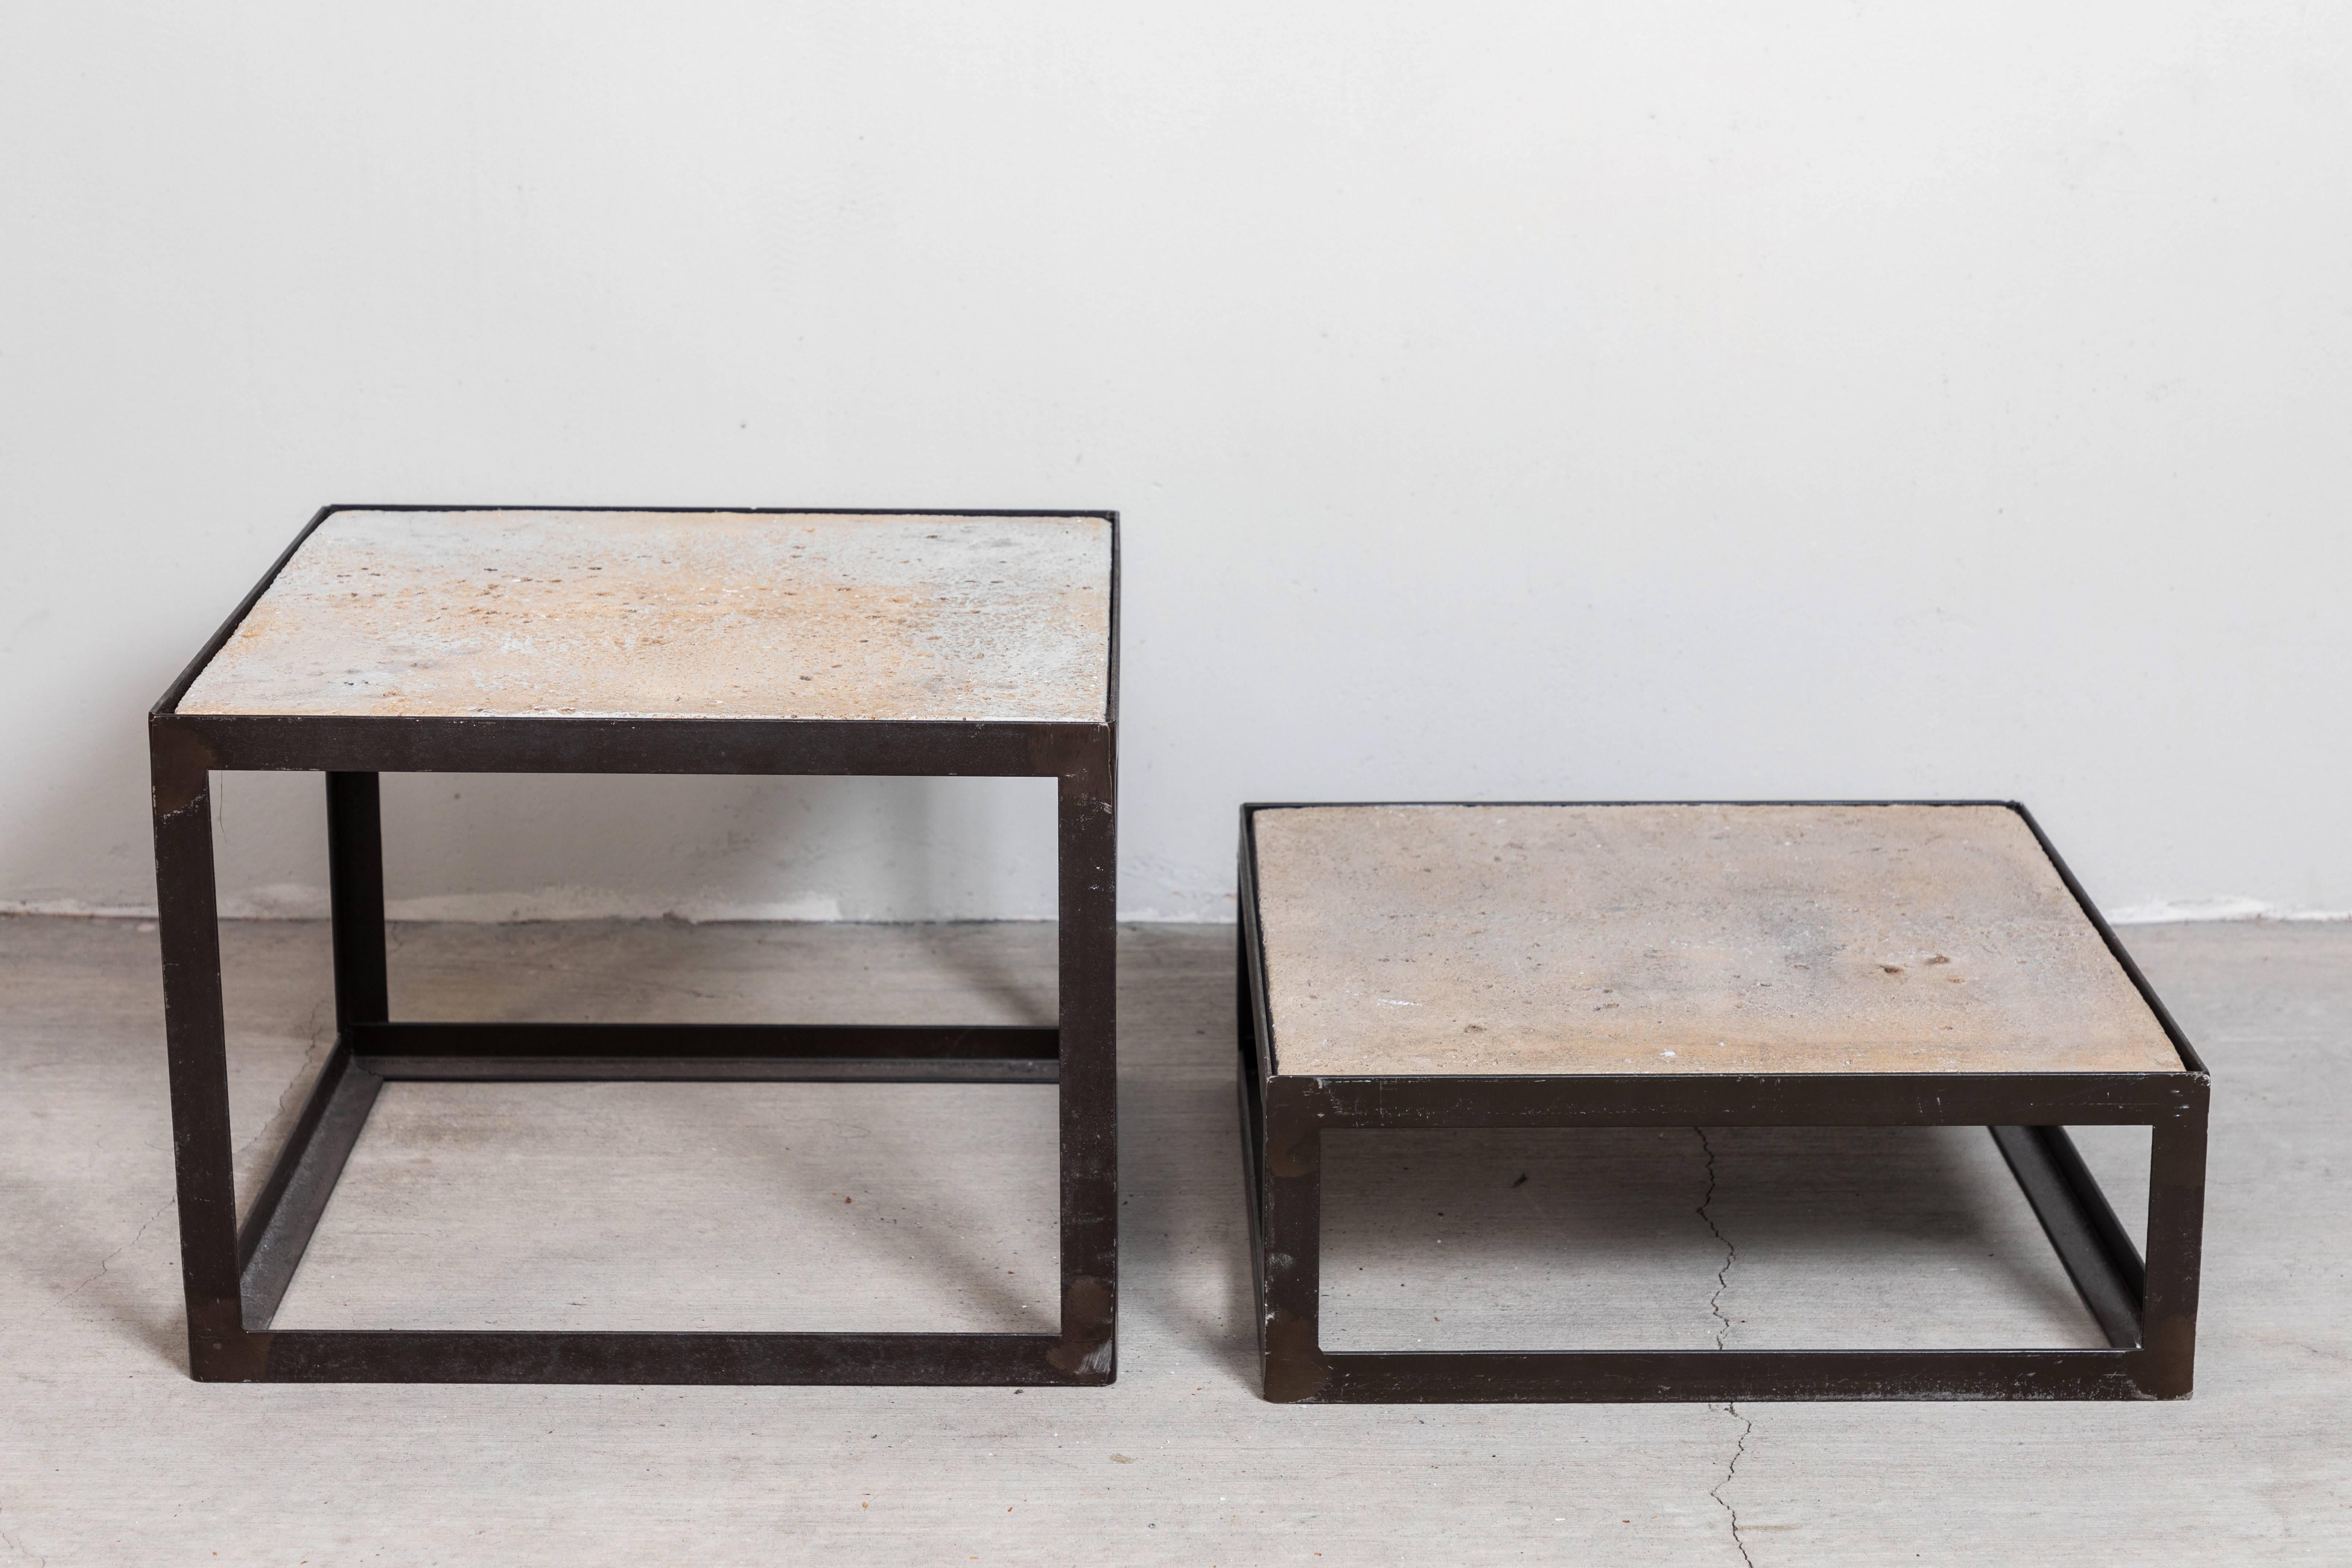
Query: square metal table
x: 1697, y: 965
x: 487, y: 639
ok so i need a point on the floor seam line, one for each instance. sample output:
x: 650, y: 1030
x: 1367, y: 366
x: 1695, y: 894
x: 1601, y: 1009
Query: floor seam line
x: 1722, y: 1333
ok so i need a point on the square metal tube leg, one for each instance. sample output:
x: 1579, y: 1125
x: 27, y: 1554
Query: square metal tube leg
x: 195, y: 1043
x: 2176, y: 1246
x: 1088, y: 837
x: 355, y: 898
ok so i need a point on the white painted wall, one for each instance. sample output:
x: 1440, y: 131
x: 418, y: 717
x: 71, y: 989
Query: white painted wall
x: 1514, y: 401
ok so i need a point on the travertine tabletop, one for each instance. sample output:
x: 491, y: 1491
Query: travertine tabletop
x: 1476, y: 939
x: 678, y: 614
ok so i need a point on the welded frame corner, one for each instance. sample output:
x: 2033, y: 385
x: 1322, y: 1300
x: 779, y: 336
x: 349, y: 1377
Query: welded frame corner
x: 167, y: 706
x: 2114, y: 946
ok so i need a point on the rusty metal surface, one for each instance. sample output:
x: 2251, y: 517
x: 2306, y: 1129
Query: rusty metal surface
x: 1441, y: 940
x: 494, y: 613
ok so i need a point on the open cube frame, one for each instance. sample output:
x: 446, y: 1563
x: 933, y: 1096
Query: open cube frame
x: 2147, y: 1311
x: 235, y: 1274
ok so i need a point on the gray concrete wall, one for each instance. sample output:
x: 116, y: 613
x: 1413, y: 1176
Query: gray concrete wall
x: 1696, y: 400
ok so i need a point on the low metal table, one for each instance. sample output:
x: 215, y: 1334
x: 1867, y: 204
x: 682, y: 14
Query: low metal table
x: 1853, y: 964
x: 507, y: 640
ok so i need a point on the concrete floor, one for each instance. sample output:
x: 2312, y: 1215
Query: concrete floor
x: 814, y: 1206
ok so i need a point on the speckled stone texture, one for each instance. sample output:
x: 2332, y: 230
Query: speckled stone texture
x: 1604, y: 939
x: 679, y: 614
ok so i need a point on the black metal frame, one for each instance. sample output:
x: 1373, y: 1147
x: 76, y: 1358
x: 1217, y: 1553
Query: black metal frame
x: 235, y: 1276
x: 2148, y: 1313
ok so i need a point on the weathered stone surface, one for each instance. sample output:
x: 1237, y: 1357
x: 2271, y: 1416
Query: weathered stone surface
x: 1592, y: 939
x: 676, y: 614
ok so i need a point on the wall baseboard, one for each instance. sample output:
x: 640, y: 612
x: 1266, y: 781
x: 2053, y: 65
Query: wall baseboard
x: 566, y: 904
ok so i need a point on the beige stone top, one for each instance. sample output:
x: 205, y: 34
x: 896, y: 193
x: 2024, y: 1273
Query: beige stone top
x: 678, y: 614
x: 1678, y: 939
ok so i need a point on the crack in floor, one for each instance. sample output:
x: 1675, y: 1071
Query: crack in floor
x: 1722, y: 1274
x: 106, y: 1264
x: 1722, y: 1333
x: 1737, y: 1453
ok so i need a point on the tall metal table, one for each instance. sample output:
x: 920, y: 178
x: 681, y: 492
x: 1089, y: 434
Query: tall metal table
x: 484, y: 639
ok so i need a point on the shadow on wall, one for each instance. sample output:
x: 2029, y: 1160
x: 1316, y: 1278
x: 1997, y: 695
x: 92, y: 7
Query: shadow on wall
x: 508, y: 846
